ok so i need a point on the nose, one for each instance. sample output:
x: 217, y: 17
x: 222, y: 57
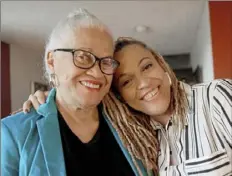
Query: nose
x: 142, y: 83
x: 95, y: 71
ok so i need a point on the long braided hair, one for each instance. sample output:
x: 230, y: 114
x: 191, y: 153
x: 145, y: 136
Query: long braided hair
x: 135, y: 132
x: 135, y: 128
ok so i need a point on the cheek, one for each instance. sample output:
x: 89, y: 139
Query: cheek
x: 109, y: 79
x: 62, y: 67
x: 68, y: 74
x: 166, y: 80
x: 108, y: 83
x: 158, y: 73
x: 128, y: 95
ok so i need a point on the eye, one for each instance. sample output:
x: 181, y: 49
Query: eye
x: 107, y: 62
x: 125, y: 83
x: 83, y: 58
x: 147, y: 67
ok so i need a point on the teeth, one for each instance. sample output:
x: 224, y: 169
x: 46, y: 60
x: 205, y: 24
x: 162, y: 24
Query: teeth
x: 91, y: 85
x: 151, y: 94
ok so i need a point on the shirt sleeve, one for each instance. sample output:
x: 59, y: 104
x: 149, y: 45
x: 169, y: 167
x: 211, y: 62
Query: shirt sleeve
x: 222, y: 108
x: 9, y: 153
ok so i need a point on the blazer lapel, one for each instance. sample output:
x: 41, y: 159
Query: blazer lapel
x: 124, y: 150
x: 49, y: 133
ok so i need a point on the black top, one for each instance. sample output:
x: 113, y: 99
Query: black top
x: 101, y: 156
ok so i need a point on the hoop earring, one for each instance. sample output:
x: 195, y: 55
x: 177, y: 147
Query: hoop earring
x: 169, y: 79
x: 53, y: 80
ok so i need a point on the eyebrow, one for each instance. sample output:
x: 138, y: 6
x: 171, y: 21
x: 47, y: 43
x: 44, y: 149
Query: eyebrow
x: 125, y: 74
x: 87, y: 49
x: 92, y: 52
x: 142, y: 60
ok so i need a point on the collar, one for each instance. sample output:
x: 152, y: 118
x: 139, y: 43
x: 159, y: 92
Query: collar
x: 49, y: 107
x: 49, y: 136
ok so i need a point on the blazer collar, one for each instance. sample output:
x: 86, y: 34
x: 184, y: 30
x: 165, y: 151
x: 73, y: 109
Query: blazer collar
x: 49, y: 133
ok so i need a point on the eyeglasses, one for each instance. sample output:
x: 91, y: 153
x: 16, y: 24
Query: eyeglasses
x: 86, y: 60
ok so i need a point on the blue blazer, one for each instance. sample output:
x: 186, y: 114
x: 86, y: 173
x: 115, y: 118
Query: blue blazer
x: 31, y: 143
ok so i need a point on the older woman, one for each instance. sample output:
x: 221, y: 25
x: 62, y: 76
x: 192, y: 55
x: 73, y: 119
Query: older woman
x: 71, y: 134
x: 193, y: 123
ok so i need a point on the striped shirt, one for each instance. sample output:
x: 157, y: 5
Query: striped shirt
x: 204, y: 146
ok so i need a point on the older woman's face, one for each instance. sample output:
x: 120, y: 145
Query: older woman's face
x: 83, y: 87
x: 141, y: 81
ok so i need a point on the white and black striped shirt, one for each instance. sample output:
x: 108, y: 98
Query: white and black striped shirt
x: 204, y: 146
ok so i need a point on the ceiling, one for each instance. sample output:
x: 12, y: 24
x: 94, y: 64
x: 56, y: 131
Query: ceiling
x: 173, y: 24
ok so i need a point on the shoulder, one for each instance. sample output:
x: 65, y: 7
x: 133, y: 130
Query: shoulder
x: 217, y: 94
x: 222, y: 87
x: 213, y: 88
x: 221, y: 96
x: 213, y: 85
x: 19, y: 125
x: 17, y: 131
x: 210, y: 93
x: 21, y: 120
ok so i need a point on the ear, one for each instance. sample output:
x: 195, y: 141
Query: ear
x: 50, y: 60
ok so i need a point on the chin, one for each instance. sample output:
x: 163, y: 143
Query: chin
x: 93, y: 101
x: 154, y: 110
x: 87, y: 101
x: 87, y: 105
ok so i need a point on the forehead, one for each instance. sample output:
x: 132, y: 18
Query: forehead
x: 130, y: 56
x: 99, y: 41
x: 132, y: 53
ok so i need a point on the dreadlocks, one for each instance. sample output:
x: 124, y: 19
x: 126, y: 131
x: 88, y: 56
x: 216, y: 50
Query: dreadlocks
x: 135, y: 128
x: 179, y: 102
x: 134, y: 131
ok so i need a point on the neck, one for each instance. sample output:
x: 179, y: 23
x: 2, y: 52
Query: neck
x: 163, y: 118
x: 74, y: 115
x: 83, y: 122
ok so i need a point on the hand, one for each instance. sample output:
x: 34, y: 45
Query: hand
x: 15, y: 112
x: 35, y: 100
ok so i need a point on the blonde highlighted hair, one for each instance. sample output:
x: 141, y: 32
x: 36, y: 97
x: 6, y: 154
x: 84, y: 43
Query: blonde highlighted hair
x: 135, y: 132
x: 135, y: 129
x: 179, y: 102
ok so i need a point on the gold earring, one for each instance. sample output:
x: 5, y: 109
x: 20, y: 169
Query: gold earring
x: 169, y: 78
x: 53, y: 80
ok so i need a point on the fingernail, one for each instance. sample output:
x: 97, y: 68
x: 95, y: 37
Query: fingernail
x: 26, y: 111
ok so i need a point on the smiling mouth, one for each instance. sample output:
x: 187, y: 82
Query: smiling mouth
x: 90, y: 85
x: 151, y: 95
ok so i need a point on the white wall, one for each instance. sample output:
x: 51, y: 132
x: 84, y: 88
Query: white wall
x: 25, y: 66
x: 201, y: 53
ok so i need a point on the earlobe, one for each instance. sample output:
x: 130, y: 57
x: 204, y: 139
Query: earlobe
x: 50, y: 60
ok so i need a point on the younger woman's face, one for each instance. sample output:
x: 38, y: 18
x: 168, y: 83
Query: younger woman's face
x: 141, y: 81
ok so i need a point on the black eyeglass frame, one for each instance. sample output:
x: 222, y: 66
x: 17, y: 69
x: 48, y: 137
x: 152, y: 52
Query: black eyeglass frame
x: 96, y: 59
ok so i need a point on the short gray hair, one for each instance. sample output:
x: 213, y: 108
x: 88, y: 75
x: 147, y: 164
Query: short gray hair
x: 63, y: 35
